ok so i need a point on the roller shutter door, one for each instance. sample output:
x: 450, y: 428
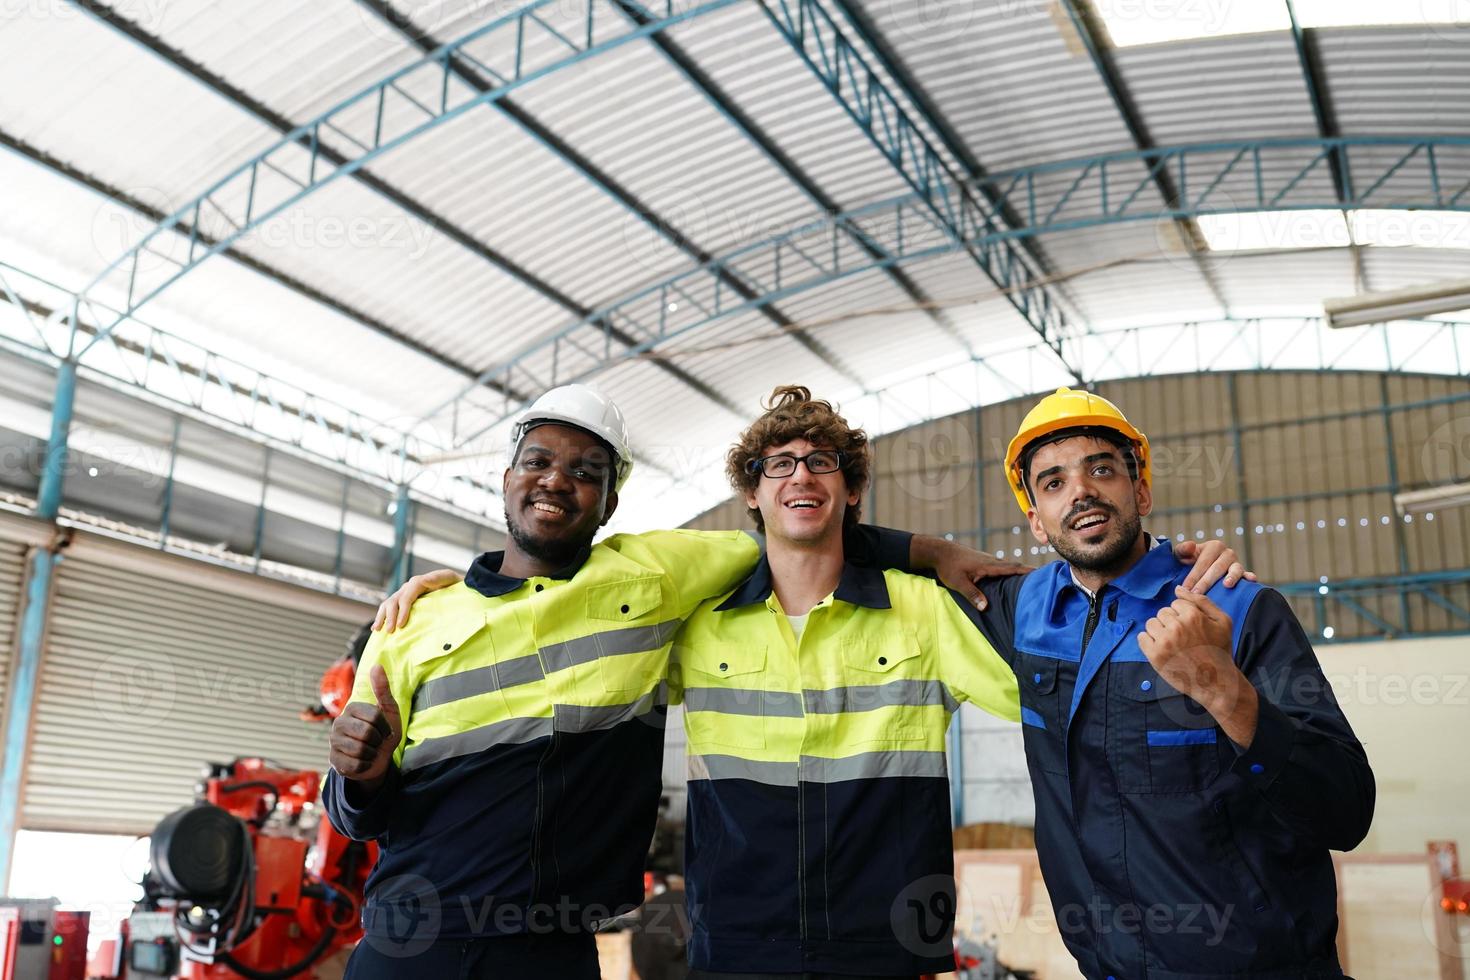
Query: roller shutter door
x: 146, y: 679
x: 12, y: 581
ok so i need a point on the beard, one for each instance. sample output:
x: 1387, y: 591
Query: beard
x: 556, y: 552
x: 1110, y: 556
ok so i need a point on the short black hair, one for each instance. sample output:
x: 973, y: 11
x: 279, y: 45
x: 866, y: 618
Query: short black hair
x: 1112, y: 436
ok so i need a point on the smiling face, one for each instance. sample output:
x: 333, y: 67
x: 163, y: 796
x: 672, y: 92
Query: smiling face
x: 557, y: 492
x: 804, y: 509
x: 1085, y: 504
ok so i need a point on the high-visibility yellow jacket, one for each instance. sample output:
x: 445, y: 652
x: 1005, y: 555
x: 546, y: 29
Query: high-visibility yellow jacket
x: 525, y: 790
x: 819, y: 808
x: 527, y: 782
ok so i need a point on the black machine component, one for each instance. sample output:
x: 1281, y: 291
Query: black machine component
x: 197, y: 853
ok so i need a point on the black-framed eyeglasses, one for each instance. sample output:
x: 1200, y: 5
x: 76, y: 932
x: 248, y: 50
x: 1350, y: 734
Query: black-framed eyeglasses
x: 784, y: 464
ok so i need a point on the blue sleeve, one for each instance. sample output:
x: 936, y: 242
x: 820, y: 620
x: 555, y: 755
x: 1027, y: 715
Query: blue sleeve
x: 353, y: 814
x: 1304, y: 760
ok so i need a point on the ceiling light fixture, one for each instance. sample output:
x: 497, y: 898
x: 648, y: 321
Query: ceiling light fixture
x: 1399, y: 304
x: 1432, y: 499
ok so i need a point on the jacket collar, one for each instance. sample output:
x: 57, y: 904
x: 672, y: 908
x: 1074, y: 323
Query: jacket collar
x: 485, y: 578
x: 858, y: 585
x: 1149, y: 577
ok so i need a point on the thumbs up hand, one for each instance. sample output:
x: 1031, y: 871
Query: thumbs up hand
x: 365, y: 736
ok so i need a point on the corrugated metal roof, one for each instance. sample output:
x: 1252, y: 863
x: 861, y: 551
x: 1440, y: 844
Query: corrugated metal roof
x: 1016, y: 88
x: 1392, y: 80
x: 1246, y: 87
x: 1253, y: 282
x: 741, y: 50
x: 95, y: 100
x: 1011, y: 80
x: 299, y: 60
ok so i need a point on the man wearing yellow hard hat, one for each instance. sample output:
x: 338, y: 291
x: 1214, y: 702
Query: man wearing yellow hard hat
x: 1190, y: 766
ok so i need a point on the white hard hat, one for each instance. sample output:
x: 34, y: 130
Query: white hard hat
x: 584, y: 408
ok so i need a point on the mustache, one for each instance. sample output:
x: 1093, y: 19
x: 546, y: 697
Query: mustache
x: 1085, y: 506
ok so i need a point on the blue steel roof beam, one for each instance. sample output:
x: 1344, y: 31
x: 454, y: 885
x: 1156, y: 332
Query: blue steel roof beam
x: 908, y: 230
x: 934, y: 117
x: 1315, y: 79
x: 207, y: 375
x: 1094, y: 36
x: 366, y: 432
x: 842, y: 70
x: 427, y: 43
x: 397, y: 118
x: 398, y: 198
x: 98, y: 186
x: 710, y: 89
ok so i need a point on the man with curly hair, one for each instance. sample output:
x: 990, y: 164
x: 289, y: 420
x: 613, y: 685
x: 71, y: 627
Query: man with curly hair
x: 817, y: 695
x: 816, y: 700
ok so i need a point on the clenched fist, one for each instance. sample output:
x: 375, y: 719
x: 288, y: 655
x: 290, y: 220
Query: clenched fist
x: 1188, y: 643
x: 364, y: 737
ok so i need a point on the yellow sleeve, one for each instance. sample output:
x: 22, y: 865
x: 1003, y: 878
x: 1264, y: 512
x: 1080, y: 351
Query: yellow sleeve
x: 674, y: 675
x: 701, y: 564
x: 970, y: 667
x: 387, y: 650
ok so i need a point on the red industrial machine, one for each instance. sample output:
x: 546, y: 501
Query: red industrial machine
x: 248, y: 882
x: 41, y: 942
x: 251, y: 881
x: 1454, y: 890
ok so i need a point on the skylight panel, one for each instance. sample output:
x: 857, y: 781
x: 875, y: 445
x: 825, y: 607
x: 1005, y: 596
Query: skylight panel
x: 1254, y: 231
x: 1135, y: 22
x: 1423, y: 229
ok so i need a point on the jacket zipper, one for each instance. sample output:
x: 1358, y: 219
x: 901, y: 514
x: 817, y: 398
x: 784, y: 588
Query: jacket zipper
x: 800, y: 854
x: 538, y: 834
x: 1094, y: 613
x: 800, y: 818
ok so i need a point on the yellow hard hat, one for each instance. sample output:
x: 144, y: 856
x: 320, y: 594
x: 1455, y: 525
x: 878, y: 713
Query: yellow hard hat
x: 1068, y: 408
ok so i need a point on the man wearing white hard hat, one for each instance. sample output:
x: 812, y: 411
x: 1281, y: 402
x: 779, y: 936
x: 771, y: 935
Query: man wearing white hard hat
x: 504, y: 748
x: 601, y: 632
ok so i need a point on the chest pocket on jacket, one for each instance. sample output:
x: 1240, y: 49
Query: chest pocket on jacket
x: 1165, y: 742
x: 628, y: 636
x: 881, y: 672
x: 724, y: 704
x: 459, y: 672
x: 1043, y: 715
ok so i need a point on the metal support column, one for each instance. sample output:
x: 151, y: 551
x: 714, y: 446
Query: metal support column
x: 53, y: 475
x: 265, y: 485
x: 166, y: 511
x: 980, y: 539
x: 402, y: 507
x: 341, y: 537
x: 1400, y: 538
x: 1235, y: 444
x: 39, y: 577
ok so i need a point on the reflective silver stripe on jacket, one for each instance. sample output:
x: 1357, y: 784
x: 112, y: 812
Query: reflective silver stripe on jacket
x: 628, y: 639
x: 868, y: 697
x: 741, y: 701
x: 510, y: 731
x: 815, y: 769
x: 479, y: 680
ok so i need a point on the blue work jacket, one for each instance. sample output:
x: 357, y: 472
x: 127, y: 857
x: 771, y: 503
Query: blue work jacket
x: 1169, y: 852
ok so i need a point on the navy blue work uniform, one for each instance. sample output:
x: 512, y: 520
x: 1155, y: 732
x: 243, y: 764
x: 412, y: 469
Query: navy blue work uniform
x: 1169, y: 852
